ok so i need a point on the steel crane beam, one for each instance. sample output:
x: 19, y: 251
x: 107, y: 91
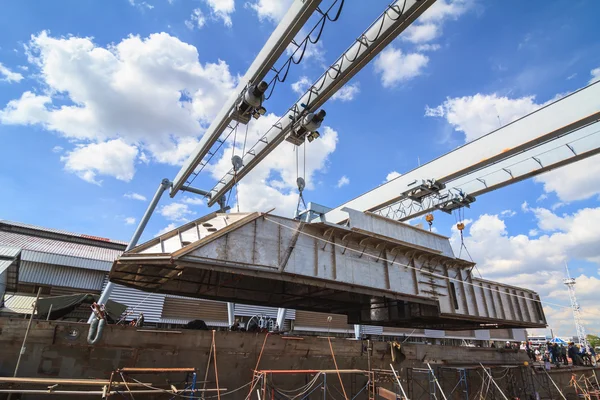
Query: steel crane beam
x: 570, y: 148
x: 397, y: 17
x: 569, y: 124
x: 290, y: 25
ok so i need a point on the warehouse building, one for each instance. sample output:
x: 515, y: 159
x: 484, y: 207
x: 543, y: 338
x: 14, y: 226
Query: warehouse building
x: 61, y: 263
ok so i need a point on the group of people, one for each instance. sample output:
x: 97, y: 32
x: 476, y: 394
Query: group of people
x: 556, y: 353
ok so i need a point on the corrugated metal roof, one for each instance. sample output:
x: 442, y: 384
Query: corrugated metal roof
x: 55, y: 246
x: 69, y: 261
x: 59, y: 231
x: 7, y: 256
x: 46, y: 274
x: 9, y: 251
x: 18, y: 304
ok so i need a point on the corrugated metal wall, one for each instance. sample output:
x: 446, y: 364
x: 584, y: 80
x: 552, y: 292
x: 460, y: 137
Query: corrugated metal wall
x: 371, y: 330
x: 151, y: 304
x: 245, y: 310
x: 187, y: 309
x: 54, y: 275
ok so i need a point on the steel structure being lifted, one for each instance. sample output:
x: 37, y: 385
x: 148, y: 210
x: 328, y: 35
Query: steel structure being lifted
x: 374, y: 270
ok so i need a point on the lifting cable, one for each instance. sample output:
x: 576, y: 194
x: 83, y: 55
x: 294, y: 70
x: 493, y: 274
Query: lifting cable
x: 459, y: 216
x: 300, y: 181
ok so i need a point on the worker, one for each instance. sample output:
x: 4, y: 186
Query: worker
x: 140, y: 321
x: 562, y: 355
x: 573, y: 354
x: 554, y: 351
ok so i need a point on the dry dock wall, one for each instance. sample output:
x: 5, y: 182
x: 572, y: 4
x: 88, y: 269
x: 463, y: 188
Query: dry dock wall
x: 57, y: 349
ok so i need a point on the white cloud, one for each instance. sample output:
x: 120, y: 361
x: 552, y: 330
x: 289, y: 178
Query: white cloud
x: 7, y: 75
x: 578, y: 181
x: 273, y: 182
x: 113, y: 158
x: 347, y: 93
x: 429, y: 25
x: 480, y: 114
x: 538, y: 262
x: 141, y: 5
x: 197, y: 20
x: 392, y: 175
x: 396, y: 67
x: 152, y: 93
x: 30, y: 109
x: 177, y: 212
x: 508, y: 213
x: 343, y: 181
x: 135, y: 196
x: 595, y: 75
x: 129, y: 221
x: 166, y: 229
x: 57, y: 149
x: 542, y: 197
x: 272, y: 10
x: 222, y: 9
x: 428, y: 47
x: 301, y: 85
x: 421, y: 33
x: 195, y: 201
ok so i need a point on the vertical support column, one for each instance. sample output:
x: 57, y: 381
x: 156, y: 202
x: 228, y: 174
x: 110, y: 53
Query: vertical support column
x: 230, y: 314
x: 164, y: 185
x: 357, y: 334
x: 281, y: 317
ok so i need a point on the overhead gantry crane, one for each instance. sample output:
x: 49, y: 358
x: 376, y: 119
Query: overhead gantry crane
x: 558, y: 134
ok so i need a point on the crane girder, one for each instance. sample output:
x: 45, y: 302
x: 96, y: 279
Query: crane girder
x: 282, y: 36
x: 397, y: 17
x: 560, y: 133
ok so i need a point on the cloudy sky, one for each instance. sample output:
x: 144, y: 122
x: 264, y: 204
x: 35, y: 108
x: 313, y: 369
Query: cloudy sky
x: 99, y: 103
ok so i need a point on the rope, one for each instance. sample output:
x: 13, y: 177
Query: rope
x: 336, y: 368
x: 126, y: 385
x: 214, y: 345
x: 376, y: 257
x: 207, y: 367
x: 258, y: 362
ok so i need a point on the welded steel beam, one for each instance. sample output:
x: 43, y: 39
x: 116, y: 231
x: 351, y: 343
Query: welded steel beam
x: 556, y: 125
x: 282, y: 36
x: 397, y: 17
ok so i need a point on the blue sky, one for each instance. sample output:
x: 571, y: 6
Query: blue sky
x: 91, y: 118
